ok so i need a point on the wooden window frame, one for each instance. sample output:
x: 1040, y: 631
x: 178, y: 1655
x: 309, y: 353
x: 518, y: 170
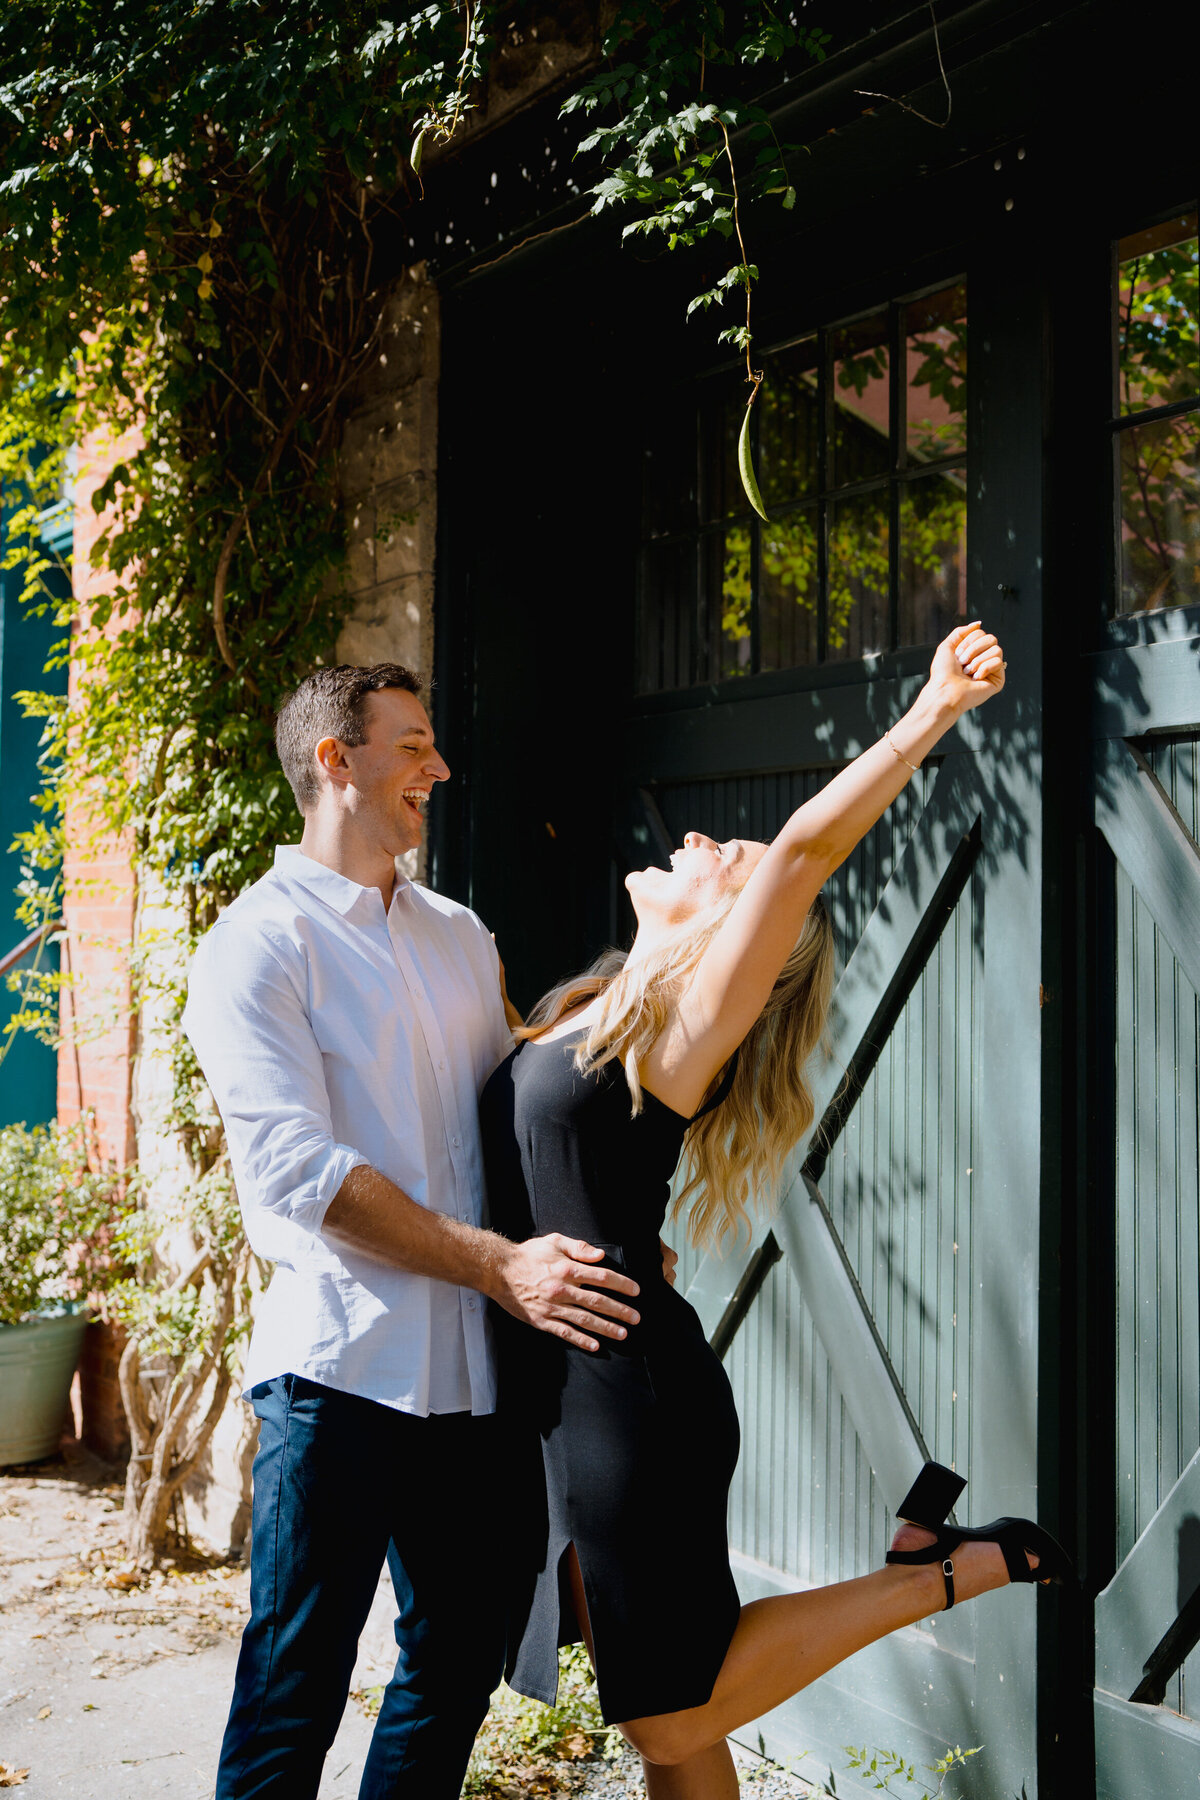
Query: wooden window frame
x: 1119, y: 422
x: 901, y: 472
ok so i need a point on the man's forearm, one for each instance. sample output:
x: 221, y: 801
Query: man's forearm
x: 373, y: 1214
x: 546, y: 1282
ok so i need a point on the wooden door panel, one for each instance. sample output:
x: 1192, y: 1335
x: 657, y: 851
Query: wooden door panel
x: 1153, y: 686
x: 1143, y: 1750
x: 901, y: 1188
x: 1149, y: 839
x: 1158, y: 1581
x: 1147, y: 807
x: 908, y: 917
x: 889, y: 1440
x: 802, y: 1524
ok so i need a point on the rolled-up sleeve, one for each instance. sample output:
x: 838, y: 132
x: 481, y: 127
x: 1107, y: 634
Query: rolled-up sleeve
x: 247, y: 1022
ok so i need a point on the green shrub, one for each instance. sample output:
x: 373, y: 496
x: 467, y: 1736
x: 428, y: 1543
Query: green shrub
x: 522, y: 1744
x: 57, y: 1216
x: 520, y: 1737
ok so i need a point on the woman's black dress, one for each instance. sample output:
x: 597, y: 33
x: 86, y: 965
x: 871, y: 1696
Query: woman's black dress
x: 639, y: 1439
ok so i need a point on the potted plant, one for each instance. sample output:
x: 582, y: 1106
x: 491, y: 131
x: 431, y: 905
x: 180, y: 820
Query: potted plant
x: 56, y: 1219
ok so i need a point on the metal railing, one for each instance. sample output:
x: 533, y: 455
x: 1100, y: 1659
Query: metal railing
x: 14, y: 956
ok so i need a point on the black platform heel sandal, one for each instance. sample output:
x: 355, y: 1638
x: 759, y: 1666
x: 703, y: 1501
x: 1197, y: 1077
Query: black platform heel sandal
x: 931, y: 1496
x: 928, y: 1501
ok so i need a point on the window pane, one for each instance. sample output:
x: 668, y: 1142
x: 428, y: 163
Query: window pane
x: 861, y: 441
x: 857, y: 607
x: 790, y: 425
x: 935, y: 343
x: 666, y: 617
x: 728, y: 595
x: 1158, y: 317
x: 1160, y: 514
x: 669, y: 470
x: 721, y: 491
x: 933, y: 556
x: 787, y: 591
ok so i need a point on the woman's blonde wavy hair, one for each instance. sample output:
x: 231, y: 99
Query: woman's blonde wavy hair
x: 735, y: 1152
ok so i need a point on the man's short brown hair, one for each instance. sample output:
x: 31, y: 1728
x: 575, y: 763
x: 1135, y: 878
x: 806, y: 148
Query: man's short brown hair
x: 329, y: 703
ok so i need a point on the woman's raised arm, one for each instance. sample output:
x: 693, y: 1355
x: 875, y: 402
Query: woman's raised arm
x: 738, y: 970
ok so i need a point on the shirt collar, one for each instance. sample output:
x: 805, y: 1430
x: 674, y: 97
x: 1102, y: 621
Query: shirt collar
x: 336, y: 890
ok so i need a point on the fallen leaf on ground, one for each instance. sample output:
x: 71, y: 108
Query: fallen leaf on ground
x: 11, y: 1777
x: 122, y: 1578
x: 45, y: 1712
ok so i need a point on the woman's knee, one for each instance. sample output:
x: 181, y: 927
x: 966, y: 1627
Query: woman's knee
x: 666, y: 1739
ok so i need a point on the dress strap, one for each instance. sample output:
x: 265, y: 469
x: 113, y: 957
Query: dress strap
x: 722, y: 1093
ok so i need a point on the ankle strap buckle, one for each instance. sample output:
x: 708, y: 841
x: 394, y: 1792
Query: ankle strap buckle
x: 948, y: 1578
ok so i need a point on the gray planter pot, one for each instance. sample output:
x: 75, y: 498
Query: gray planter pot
x: 37, y: 1361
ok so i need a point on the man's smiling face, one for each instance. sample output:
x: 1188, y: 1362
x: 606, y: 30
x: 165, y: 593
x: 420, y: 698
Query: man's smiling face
x: 393, y: 773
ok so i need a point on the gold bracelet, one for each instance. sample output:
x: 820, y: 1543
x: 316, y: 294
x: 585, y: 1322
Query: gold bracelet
x: 887, y: 738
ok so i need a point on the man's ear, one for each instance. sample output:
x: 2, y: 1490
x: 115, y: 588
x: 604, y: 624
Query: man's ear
x: 330, y: 756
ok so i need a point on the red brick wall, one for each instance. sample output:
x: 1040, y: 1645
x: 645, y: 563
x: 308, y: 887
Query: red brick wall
x: 95, y: 1063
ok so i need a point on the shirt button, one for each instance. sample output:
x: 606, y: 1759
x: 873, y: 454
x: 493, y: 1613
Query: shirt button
x: 456, y: 1142
x: 441, y: 1065
x: 471, y: 1305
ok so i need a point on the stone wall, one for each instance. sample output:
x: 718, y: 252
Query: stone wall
x: 388, y: 474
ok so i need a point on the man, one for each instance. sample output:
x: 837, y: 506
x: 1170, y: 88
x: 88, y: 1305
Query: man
x: 346, y: 1021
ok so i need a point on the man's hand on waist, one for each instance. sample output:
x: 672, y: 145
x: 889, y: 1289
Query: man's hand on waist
x: 548, y: 1283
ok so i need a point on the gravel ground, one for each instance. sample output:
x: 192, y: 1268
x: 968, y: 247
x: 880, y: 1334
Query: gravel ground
x: 623, y: 1780
x: 111, y: 1689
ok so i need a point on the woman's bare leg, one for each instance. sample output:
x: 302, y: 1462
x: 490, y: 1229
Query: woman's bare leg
x: 709, y: 1775
x: 782, y: 1644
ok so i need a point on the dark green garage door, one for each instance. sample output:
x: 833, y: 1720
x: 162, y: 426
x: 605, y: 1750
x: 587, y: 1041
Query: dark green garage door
x: 889, y: 1312
x: 1146, y: 783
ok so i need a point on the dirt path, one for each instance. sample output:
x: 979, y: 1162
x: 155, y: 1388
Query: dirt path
x: 111, y: 1689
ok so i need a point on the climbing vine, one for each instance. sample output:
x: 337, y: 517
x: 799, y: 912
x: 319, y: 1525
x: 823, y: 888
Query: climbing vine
x: 193, y: 200
x: 189, y: 268
x: 192, y: 218
x: 669, y: 152
x: 200, y: 208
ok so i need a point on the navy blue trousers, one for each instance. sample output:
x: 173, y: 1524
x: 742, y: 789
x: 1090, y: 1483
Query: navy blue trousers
x: 340, y: 1483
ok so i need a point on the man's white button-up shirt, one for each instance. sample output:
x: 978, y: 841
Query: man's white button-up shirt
x: 333, y: 1034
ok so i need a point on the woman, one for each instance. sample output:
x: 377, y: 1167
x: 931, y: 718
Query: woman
x: 699, y: 1036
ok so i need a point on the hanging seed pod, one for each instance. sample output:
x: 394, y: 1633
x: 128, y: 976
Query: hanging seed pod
x: 414, y: 155
x: 746, y: 461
